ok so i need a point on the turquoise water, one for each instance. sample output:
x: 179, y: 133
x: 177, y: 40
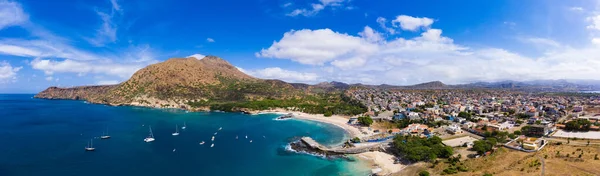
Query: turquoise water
x: 47, y: 137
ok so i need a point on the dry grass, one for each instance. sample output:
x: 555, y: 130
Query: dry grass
x: 511, y: 162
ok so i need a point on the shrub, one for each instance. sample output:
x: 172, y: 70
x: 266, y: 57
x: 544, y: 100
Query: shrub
x: 424, y: 173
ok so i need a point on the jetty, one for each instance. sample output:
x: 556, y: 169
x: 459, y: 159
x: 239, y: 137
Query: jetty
x: 355, y: 149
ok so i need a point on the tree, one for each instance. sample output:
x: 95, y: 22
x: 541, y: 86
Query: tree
x: 464, y: 114
x: 517, y: 132
x: 365, y: 120
x: 424, y: 173
x: 328, y: 114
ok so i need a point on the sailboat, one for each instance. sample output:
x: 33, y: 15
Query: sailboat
x: 90, y: 146
x: 250, y: 141
x: 215, y: 133
x: 213, y: 139
x: 246, y: 136
x: 176, y: 131
x: 105, y: 135
x: 212, y: 145
x: 184, y: 126
x: 220, y: 128
x: 150, y: 138
x: 202, y: 143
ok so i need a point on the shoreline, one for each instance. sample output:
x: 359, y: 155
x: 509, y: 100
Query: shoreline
x: 373, y: 160
x: 336, y: 120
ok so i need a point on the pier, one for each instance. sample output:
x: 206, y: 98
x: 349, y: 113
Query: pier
x: 358, y: 148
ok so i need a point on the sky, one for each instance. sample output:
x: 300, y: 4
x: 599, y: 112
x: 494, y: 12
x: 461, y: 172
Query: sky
x: 78, y: 42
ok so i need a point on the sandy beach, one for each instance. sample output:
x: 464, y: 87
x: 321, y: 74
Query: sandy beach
x: 382, y: 160
x: 336, y: 120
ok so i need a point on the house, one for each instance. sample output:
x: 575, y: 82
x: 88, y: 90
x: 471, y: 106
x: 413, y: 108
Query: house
x: 577, y: 108
x: 454, y: 129
x: 416, y: 129
x: 538, y: 130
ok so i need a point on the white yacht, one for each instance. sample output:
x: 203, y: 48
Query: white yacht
x: 90, y: 146
x: 212, y: 145
x: 150, y: 137
x: 176, y: 131
x: 184, y: 126
x: 105, y: 135
x: 213, y: 138
x: 202, y: 143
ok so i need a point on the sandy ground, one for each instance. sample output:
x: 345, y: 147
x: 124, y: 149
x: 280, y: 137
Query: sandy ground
x: 336, y: 120
x: 580, y: 135
x: 457, y: 142
x: 382, y: 160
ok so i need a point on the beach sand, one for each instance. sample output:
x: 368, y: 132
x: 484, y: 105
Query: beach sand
x: 336, y: 120
x: 382, y: 160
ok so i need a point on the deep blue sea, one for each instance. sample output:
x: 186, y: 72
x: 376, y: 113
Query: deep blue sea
x: 47, y: 137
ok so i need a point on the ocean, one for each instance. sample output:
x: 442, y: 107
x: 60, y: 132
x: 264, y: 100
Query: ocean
x: 47, y: 137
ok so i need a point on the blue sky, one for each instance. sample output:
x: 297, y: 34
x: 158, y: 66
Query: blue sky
x: 77, y: 42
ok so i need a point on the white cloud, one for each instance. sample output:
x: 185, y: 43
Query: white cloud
x: 540, y: 42
x: 317, y: 7
x: 8, y: 73
x: 596, y: 41
x: 287, y: 4
x: 282, y: 74
x: 107, y: 33
x: 595, y: 22
x: 210, y: 40
x: 428, y: 57
x: 11, y: 14
x: 107, y: 82
x: 316, y: 47
x: 197, y: 56
x: 116, y: 6
x: 49, y: 78
x: 412, y: 23
x: 371, y: 35
x: 382, y: 23
x: 122, y: 70
x: 576, y: 9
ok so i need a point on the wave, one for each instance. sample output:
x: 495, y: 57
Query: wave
x: 289, y: 148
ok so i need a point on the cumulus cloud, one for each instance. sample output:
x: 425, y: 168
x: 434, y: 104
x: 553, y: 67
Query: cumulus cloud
x: 210, y: 40
x: 410, y: 23
x: 315, y: 47
x: 431, y: 56
x: 11, y: 14
x: 316, y: 7
x: 595, y: 22
x: 282, y: 74
x: 382, y: 23
x: 577, y: 9
x: 8, y: 73
x: 197, y: 56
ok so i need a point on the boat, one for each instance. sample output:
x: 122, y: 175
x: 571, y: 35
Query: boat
x: 150, y: 137
x: 184, y: 126
x: 213, y: 139
x: 236, y: 137
x: 176, y: 131
x: 220, y: 128
x: 202, y: 143
x: 250, y: 141
x: 215, y: 133
x: 212, y: 145
x: 283, y: 117
x: 174, y: 150
x: 90, y: 146
x: 105, y: 135
x: 246, y: 136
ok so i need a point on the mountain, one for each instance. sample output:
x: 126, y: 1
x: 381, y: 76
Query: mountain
x: 209, y: 83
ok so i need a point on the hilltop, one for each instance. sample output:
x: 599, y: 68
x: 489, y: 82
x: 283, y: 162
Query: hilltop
x: 210, y: 83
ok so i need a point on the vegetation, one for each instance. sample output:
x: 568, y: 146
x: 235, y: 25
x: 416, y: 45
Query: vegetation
x: 424, y: 173
x: 365, y: 120
x: 482, y: 146
x: 578, y: 125
x: 327, y: 104
x: 422, y: 149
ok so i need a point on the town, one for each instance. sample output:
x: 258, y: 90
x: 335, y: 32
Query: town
x: 476, y: 123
